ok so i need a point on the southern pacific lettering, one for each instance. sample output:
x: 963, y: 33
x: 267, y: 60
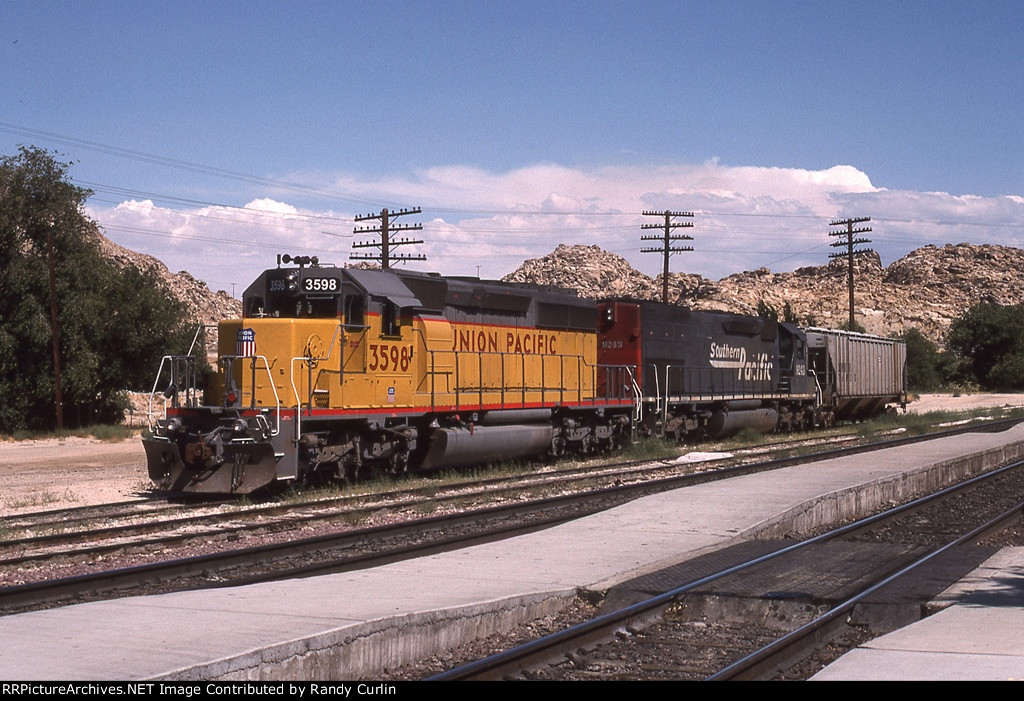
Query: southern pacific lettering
x: 501, y: 341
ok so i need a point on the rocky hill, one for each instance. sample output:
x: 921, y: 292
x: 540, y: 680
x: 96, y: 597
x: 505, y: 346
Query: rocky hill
x: 204, y: 305
x: 926, y: 289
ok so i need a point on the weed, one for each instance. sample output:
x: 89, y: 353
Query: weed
x: 112, y: 432
x: 43, y: 498
x: 917, y: 424
x: 427, y: 506
x: 103, y: 432
x: 747, y: 437
x: 650, y: 448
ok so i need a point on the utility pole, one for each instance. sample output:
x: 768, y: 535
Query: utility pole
x: 667, y: 238
x: 59, y: 400
x: 850, y: 251
x: 386, y: 229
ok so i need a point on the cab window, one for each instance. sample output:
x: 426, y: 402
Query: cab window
x: 355, y: 310
x: 389, y: 320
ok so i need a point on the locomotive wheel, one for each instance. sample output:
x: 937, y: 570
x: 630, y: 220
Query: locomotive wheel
x: 588, y: 445
x: 398, y: 463
x: 349, y: 472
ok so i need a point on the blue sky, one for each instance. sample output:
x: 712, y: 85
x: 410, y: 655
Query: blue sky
x: 218, y: 134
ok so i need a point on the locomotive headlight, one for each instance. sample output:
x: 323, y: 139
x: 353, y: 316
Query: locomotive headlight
x: 240, y: 426
x: 293, y: 281
x: 172, y: 426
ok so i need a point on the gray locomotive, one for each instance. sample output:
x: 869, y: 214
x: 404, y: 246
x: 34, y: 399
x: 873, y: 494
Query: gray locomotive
x: 712, y: 374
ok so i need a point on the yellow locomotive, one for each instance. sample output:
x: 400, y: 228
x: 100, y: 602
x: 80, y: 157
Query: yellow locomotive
x: 334, y: 371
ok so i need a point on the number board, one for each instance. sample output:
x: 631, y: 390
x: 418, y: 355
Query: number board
x: 320, y: 284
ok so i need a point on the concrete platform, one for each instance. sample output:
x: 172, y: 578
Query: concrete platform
x: 355, y: 625
x: 978, y: 638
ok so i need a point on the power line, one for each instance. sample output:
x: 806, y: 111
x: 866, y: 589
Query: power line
x: 115, y: 190
x: 179, y: 164
x: 386, y: 229
x: 193, y: 167
x: 667, y: 239
x: 850, y: 243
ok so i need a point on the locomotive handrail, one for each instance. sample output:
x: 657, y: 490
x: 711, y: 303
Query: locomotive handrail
x: 189, y: 360
x: 726, y: 387
x: 309, y: 360
x: 522, y: 388
x: 818, y: 394
x: 229, y: 360
x: 150, y: 421
x: 638, y: 398
x: 657, y: 387
x: 195, y: 338
x: 273, y: 388
x: 583, y: 369
x: 190, y: 389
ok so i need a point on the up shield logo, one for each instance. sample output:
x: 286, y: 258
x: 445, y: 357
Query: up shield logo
x: 245, y: 342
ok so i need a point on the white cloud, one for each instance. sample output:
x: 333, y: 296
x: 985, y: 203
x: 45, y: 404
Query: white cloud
x: 266, y: 204
x: 745, y: 217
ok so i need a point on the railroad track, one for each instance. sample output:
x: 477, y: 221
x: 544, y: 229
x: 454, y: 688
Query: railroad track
x: 79, y: 537
x: 38, y: 535
x: 873, y: 572
x: 335, y: 551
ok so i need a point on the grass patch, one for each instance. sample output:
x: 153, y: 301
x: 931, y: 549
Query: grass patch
x: 110, y: 433
x: 913, y: 424
x: 747, y: 438
x: 918, y: 424
x: 43, y: 498
x: 648, y: 448
x: 425, y: 507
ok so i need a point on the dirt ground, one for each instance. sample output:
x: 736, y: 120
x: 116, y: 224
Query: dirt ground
x: 58, y: 473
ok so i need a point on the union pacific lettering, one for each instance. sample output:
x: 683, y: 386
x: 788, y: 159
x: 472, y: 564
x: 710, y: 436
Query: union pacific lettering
x: 479, y: 340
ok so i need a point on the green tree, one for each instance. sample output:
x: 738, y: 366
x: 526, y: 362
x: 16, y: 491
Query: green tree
x: 857, y: 328
x: 990, y: 338
x: 113, y: 324
x: 923, y: 362
x: 768, y: 311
